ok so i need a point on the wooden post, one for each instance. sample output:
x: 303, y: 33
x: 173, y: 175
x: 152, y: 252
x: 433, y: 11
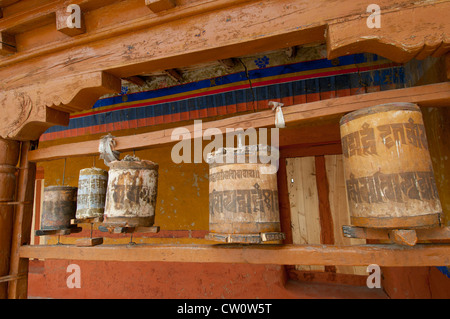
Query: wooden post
x: 9, y: 155
x: 437, y: 126
x: 22, y: 224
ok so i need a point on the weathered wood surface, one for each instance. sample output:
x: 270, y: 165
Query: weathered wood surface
x: 304, y: 204
x: 383, y: 255
x: 429, y: 95
x: 423, y: 235
x: 22, y: 223
x: 9, y: 156
x: 28, y: 112
x: 125, y: 39
x: 220, y: 27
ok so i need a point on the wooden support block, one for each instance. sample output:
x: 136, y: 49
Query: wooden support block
x: 62, y: 22
x: 7, y: 44
x: 89, y: 242
x: 438, y: 234
x: 174, y: 75
x: 406, y: 237
x: 117, y: 229
x: 160, y: 5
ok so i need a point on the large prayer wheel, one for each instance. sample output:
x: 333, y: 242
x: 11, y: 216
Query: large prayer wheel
x: 59, y: 207
x: 388, y: 170
x: 131, y: 194
x: 243, y: 196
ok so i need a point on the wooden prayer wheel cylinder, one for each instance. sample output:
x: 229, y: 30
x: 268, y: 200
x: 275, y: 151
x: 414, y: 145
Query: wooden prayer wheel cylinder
x: 243, y: 196
x: 388, y: 170
x: 91, y: 196
x: 59, y: 207
x: 131, y: 193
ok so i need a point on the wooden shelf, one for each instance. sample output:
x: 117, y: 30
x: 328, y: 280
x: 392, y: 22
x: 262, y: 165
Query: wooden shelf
x: 363, y: 255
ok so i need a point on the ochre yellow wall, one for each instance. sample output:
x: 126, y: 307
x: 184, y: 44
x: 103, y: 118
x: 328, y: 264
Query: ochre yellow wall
x: 182, y: 202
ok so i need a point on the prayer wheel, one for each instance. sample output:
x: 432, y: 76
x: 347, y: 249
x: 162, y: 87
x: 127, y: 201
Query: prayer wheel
x: 59, y: 207
x: 243, y: 196
x: 131, y: 193
x: 91, y: 197
x: 388, y: 170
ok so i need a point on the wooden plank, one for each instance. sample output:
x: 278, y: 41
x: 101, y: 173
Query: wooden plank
x: 18, y: 289
x: 383, y: 255
x: 325, y: 218
x: 304, y: 203
x: 89, y: 242
x: 433, y: 94
x: 283, y: 200
x: 423, y: 235
x: 339, y: 211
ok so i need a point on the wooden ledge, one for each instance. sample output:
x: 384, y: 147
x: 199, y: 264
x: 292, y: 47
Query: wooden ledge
x: 363, y: 255
x: 427, y: 95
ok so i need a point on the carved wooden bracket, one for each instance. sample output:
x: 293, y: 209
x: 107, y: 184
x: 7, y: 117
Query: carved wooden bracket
x: 415, y: 32
x: 29, y: 111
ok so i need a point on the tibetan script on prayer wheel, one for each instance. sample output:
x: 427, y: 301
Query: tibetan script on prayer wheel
x: 388, y: 171
x: 243, y: 199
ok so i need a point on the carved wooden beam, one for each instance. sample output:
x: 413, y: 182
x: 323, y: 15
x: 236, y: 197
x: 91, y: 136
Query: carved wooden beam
x: 28, y: 111
x: 412, y: 32
x: 225, y: 29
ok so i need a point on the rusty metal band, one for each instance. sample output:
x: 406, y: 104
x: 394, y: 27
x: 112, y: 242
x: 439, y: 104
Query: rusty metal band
x: 128, y: 221
x: 379, y: 109
x: 420, y: 221
x: 246, y: 238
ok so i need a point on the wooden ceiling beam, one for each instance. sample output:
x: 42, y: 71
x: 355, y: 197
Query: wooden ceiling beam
x: 225, y: 28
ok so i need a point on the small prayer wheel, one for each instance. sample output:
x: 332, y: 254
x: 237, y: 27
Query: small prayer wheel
x: 131, y: 193
x: 59, y: 207
x: 91, y: 197
x: 388, y: 170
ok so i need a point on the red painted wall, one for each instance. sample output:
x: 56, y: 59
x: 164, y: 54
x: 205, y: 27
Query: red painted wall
x: 47, y: 279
